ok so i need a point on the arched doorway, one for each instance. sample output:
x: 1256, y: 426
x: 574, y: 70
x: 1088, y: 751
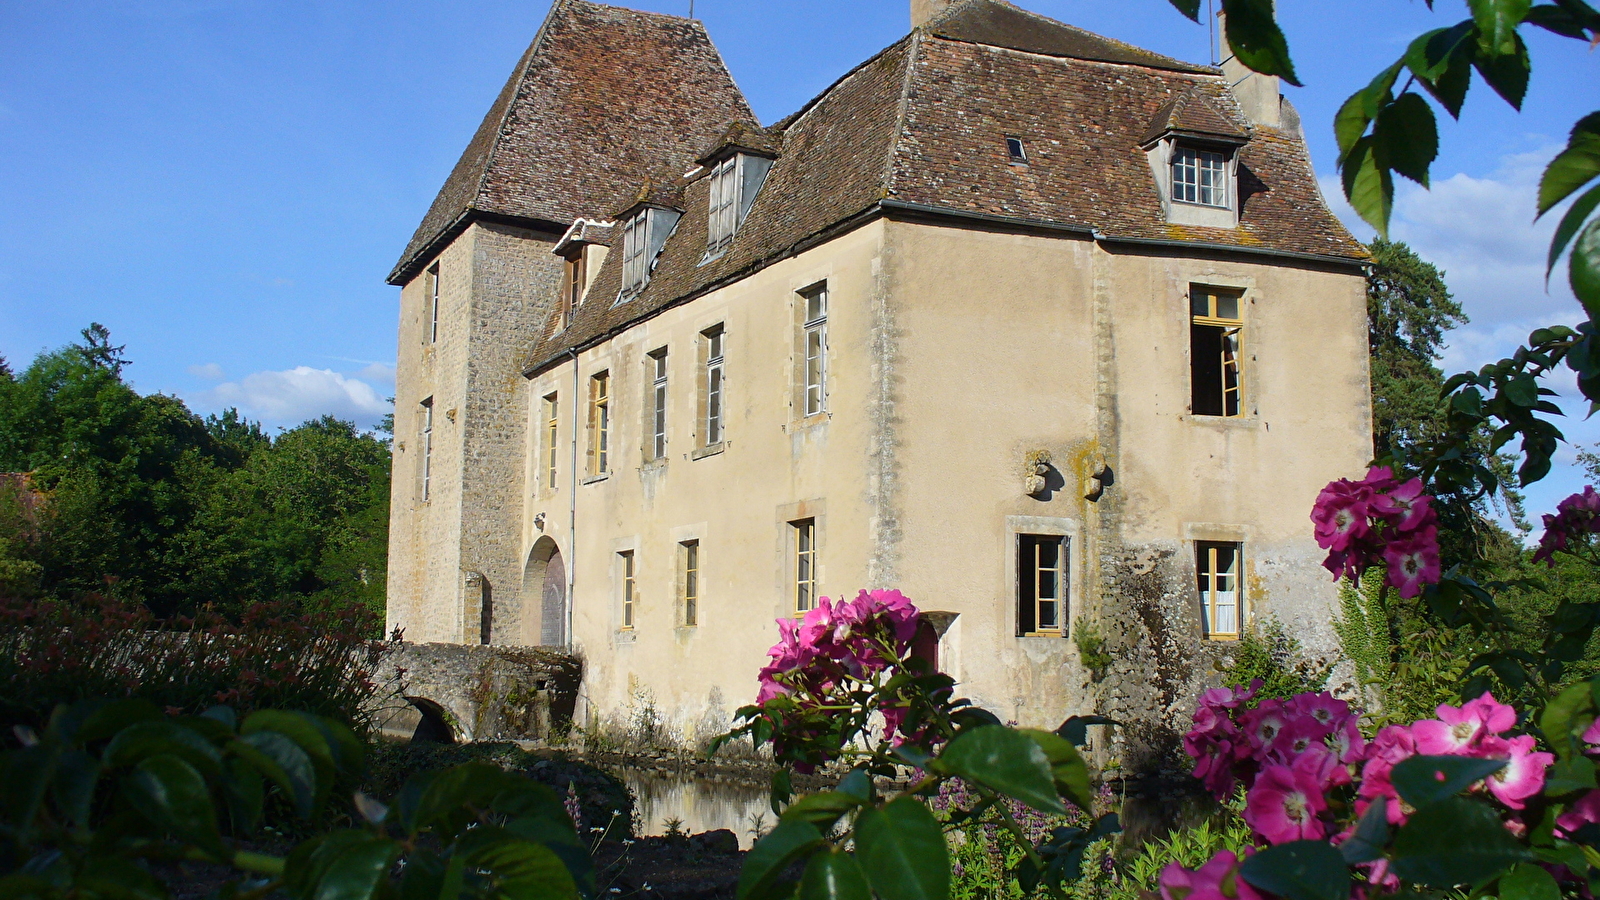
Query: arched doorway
x: 544, y: 596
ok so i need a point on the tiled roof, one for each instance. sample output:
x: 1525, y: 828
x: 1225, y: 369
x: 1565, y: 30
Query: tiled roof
x: 745, y: 136
x: 602, y: 97
x: 923, y: 125
x: 1000, y: 24
x: 1194, y: 113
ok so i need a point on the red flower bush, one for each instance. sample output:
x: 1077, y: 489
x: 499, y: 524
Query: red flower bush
x: 1575, y: 518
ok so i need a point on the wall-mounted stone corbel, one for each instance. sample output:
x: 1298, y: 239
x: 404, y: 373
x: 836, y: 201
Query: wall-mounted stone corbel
x: 1035, y: 469
x: 1100, y: 477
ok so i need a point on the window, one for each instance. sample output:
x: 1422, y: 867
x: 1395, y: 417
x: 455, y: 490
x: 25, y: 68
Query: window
x: 658, y: 404
x: 551, y: 417
x: 1199, y: 176
x: 1215, y: 333
x: 714, y: 384
x: 576, y: 284
x: 625, y: 561
x: 816, y: 349
x: 804, y: 535
x: 599, y: 422
x: 427, y: 447
x: 724, y: 204
x: 1042, y: 572
x: 689, y: 552
x: 1015, y: 150
x: 433, y: 303
x: 635, y: 261
x: 1217, y: 564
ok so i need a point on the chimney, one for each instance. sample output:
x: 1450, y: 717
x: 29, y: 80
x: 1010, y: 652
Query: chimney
x: 1257, y: 93
x: 923, y: 11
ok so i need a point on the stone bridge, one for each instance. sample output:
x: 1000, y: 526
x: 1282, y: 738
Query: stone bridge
x: 472, y: 692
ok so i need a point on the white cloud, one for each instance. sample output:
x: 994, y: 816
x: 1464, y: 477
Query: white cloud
x: 378, y: 374
x: 209, y: 372
x: 295, y: 395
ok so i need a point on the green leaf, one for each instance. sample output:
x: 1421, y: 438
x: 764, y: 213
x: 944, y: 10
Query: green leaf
x: 106, y: 719
x: 902, y: 849
x: 358, y: 870
x: 518, y: 868
x: 1067, y: 768
x: 145, y: 739
x: 834, y: 875
x: 452, y: 797
x: 791, y: 841
x: 1453, y: 842
x: 563, y: 842
x: 1424, y: 780
x: 1256, y: 40
x: 1583, y: 269
x: 303, y: 730
x: 1560, y: 714
x: 1190, y: 8
x: 1508, y: 73
x: 107, y: 877
x: 1368, y: 186
x: 1497, y: 22
x: 1573, y: 167
x: 857, y: 784
x: 73, y: 784
x: 1575, y: 773
x: 822, y: 810
x: 1523, y: 391
x: 244, y: 795
x: 1406, y: 137
x: 277, y: 757
x: 27, y: 774
x: 1076, y: 728
x: 1528, y: 882
x: 1570, y: 223
x: 1006, y: 761
x: 172, y: 795
x: 1358, y: 112
x: 1299, y: 870
x: 1372, y: 833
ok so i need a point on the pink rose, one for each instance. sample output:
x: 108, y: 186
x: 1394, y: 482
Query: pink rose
x: 1283, y: 805
x: 1218, y: 879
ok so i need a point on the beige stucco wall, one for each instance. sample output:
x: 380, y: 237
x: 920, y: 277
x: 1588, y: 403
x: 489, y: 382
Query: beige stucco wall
x: 954, y: 352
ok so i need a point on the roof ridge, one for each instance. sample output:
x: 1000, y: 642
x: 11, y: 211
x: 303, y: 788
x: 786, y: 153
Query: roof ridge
x: 951, y: 19
x: 902, y: 110
x: 789, y: 121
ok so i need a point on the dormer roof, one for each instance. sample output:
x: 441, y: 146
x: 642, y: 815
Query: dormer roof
x: 584, y: 231
x: 662, y: 190
x: 743, y: 137
x: 1195, y: 114
x: 602, y: 96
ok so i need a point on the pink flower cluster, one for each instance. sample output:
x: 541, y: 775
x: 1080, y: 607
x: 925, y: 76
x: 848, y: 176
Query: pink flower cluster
x: 831, y: 651
x: 1379, y: 520
x: 1575, y: 516
x: 1476, y: 728
x: 1218, y: 879
x: 1288, y: 753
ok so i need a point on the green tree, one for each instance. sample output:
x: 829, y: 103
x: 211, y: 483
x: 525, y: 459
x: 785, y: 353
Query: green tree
x: 1409, y: 311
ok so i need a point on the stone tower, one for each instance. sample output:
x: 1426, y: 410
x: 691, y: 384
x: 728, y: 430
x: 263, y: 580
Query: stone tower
x: 602, y: 97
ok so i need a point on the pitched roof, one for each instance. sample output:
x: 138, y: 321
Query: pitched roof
x: 602, y: 97
x: 1000, y: 24
x: 1194, y: 113
x: 923, y: 124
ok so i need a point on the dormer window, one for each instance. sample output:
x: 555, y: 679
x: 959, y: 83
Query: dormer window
x: 643, y: 235
x: 733, y: 182
x: 1199, y: 176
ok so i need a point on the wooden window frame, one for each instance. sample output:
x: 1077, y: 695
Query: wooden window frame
x: 635, y: 252
x: 714, y: 422
x: 1207, y: 306
x: 1016, y: 151
x: 552, y: 422
x: 814, y: 349
x: 629, y: 588
x: 1191, y: 168
x: 658, y: 404
x: 803, y: 536
x: 723, y: 216
x: 600, y: 423
x: 689, y: 553
x: 576, y: 283
x: 1208, y: 575
x: 1031, y: 602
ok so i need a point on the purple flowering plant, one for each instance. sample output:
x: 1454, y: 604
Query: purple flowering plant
x: 844, y: 692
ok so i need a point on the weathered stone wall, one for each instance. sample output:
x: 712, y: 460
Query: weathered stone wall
x: 480, y: 693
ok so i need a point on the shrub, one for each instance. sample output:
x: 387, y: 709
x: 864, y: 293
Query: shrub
x: 1270, y: 654
x: 53, y: 653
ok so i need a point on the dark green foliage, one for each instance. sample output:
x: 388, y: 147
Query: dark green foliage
x: 147, y: 501
x: 604, y: 800
x: 1268, y: 652
x: 1409, y: 310
x: 106, y: 788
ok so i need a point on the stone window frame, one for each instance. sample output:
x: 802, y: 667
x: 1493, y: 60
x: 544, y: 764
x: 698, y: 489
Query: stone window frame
x: 1228, y: 277
x: 626, y: 563
x: 425, y: 450
x: 600, y: 422
x: 1198, y: 533
x: 1071, y: 531
x: 1215, y: 300
x: 432, y: 284
x: 787, y: 549
x: 680, y: 536
x: 807, y: 327
x: 711, y: 418
x: 657, y: 402
x: 550, y: 407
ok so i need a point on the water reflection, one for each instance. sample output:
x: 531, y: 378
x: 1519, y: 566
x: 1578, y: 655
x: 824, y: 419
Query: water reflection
x: 700, y: 804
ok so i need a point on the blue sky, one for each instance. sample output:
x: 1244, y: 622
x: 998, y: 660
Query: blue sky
x: 225, y: 183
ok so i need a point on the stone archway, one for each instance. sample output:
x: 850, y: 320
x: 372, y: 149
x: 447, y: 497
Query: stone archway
x: 544, y: 596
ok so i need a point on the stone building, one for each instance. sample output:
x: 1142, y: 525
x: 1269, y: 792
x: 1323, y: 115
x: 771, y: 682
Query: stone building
x: 1052, y: 333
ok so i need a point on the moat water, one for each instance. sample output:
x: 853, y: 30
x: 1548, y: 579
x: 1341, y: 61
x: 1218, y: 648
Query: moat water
x: 697, y: 804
